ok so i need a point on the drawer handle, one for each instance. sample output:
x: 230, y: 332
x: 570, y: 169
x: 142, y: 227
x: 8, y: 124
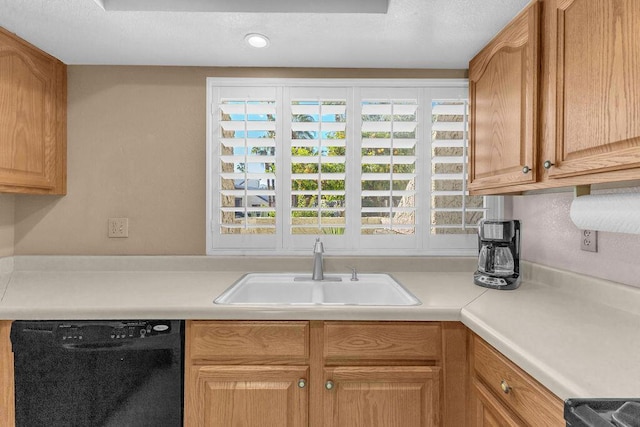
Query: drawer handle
x: 302, y: 383
x: 548, y: 164
x: 328, y: 385
x: 505, y: 387
x: 526, y: 170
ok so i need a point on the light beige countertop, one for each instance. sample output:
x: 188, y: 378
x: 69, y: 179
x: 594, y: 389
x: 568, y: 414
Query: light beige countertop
x: 185, y: 287
x: 579, y: 336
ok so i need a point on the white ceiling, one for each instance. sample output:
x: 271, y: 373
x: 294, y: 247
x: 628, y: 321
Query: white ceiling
x: 412, y: 34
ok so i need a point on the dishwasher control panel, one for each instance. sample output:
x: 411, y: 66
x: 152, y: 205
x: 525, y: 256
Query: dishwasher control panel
x: 111, y: 331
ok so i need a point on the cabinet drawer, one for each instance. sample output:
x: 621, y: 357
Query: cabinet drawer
x: 488, y: 411
x: 242, y: 341
x: 371, y: 341
x: 515, y: 388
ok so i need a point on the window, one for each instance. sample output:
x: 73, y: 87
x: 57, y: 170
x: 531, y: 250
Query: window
x: 370, y: 166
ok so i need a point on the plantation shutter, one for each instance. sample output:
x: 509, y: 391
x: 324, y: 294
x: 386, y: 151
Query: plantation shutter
x: 245, y: 156
x: 388, y: 166
x: 453, y: 211
x: 317, y: 147
x: 369, y: 166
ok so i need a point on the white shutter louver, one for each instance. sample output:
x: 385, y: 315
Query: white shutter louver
x: 247, y: 138
x: 453, y: 211
x: 388, y: 166
x: 318, y: 166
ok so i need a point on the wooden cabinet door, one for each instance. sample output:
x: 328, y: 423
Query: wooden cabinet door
x: 499, y: 384
x: 32, y: 119
x: 503, y: 90
x: 487, y: 411
x: 593, y: 55
x: 395, y: 396
x: 247, y: 396
x: 7, y: 408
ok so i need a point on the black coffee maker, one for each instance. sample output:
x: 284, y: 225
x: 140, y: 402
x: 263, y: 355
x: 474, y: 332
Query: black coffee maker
x: 498, y: 254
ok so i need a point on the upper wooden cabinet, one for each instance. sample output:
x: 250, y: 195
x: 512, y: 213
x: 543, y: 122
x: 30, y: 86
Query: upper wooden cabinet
x: 33, y: 122
x: 583, y: 125
x: 503, y: 88
x: 593, y: 111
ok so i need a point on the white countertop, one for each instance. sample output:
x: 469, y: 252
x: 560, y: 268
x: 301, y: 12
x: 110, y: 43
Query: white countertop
x: 578, y: 336
x: 190, y: 295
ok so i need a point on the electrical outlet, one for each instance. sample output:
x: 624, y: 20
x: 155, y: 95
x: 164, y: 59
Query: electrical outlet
x: 589, y: 240
x: 118, y: 227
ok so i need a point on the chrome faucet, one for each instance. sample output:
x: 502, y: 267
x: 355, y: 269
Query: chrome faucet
x: 318, y: 268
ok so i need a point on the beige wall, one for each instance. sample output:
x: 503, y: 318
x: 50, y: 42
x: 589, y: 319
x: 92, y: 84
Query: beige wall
x: 7, y: 207
x: 136, y: 149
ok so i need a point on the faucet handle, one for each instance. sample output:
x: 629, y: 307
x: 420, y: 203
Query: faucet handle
x: 318, y: 247
x: 354, y: 274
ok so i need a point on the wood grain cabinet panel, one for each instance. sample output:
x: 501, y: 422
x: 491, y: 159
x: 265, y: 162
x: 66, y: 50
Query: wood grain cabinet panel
x: 503, y: 89
x: 7, y: 406
x: 246, y: 340
x: 246, y: 373
x: 381, y: 341
x: 512, y: 389
x: 382, y: 396
x: 223, y: 396
x: 488, y: 412
x: 323, y: 374
x: 594, y: 86
x: 582, y: 126
x: 33, y: 122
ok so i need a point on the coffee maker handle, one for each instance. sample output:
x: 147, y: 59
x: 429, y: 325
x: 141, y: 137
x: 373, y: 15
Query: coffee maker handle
x: 489, y: 262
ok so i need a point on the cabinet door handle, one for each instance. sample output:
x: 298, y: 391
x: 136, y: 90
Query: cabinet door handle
x: 526, y: 169
x: 548, y: 164
x: 302, y: 383
x: 329, y: 385
x: 505, y: 387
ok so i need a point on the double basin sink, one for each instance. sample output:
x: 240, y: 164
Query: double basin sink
x: 375, y: 289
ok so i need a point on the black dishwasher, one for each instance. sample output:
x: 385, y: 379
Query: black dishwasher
x: 103, y: 373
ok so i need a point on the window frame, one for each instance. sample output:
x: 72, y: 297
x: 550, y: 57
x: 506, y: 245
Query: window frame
x: 283, y: 242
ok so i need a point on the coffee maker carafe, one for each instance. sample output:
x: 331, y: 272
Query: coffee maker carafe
x: 498, y: 254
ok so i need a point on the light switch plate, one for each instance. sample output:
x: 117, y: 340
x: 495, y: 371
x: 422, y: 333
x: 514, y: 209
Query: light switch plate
x: 118, y: 227
x: 589, y: 240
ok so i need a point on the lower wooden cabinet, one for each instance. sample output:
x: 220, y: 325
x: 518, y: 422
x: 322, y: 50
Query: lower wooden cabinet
x: 245, y: 373
x: 502, y: 394
x: 398, y: 396
x: 326, y: 374
x: 487, y: 411
x: 343, y: 374
x: 7, y: 407
x: 226, y: 396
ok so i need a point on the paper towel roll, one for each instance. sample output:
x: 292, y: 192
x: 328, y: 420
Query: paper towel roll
x: 617, y: 213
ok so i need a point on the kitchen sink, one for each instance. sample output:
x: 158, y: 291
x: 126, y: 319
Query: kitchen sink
x: 377, y: 289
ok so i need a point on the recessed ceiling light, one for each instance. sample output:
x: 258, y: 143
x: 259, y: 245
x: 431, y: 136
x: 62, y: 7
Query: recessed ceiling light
x: 257, y: 40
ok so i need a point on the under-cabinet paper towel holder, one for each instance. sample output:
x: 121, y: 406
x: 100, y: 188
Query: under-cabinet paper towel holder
x: 582, y: 190
x: 613, y: 212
